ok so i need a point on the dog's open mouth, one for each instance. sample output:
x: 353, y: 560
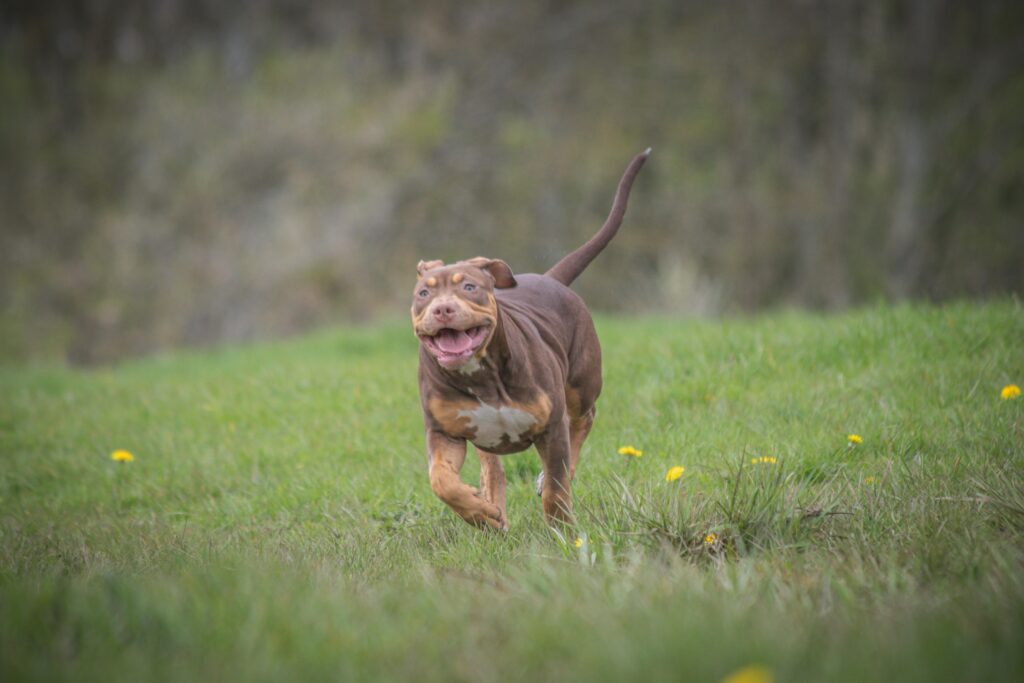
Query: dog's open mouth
x: 454, y: 347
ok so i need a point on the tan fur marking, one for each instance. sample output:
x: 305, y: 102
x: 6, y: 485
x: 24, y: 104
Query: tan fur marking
x: 417, y: 320
x: 447, y: 415
x: 573, y: 404
x: 489, y: 310
x: 579, y: 428
x: 431, y: 281
x: 457, y: 278
x: 540, y: 408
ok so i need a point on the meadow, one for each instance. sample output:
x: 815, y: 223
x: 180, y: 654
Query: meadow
x: 276, y: 521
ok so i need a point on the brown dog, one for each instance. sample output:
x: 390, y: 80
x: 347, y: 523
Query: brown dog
x: 506, y: 362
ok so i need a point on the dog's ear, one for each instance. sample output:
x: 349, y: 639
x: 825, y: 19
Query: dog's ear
x: 424, y: 266
x: 498, y: 269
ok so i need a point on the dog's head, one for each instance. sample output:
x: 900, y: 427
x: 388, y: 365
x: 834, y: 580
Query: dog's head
x: 454, y: 312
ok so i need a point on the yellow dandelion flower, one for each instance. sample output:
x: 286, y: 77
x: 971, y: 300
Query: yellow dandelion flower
x: 122, y: 456
x: 750, y: 674
x: 869, y: 480
x: 578, y: 543
x: 710, y: 539
x: 674, y: 473
x: 630, y: 451
x: 854, y: 438
x: 764, y: 460
x: 1009, y: 391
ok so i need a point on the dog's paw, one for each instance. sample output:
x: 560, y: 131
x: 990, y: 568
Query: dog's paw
x: 501, y: 524
x: 485, y: 519
x: 483, y: 514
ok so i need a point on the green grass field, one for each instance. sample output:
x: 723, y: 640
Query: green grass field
x: 277, y: 522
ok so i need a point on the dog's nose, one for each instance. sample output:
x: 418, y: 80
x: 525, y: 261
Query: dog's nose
x: 444, y: 311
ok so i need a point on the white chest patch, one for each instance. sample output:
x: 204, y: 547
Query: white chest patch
x: 494, y: 423
x: 470, y: 366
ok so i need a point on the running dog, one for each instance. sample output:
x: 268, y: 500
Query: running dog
x: 509, y: 361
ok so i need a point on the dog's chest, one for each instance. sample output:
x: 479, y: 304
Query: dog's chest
x: 492, y: 425
x: 498, y: 426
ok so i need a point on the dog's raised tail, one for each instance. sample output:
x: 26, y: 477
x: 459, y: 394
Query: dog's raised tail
x: 570, y: 267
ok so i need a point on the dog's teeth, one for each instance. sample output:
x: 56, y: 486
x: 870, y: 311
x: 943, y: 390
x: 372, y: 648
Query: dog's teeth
x: 540, y: 482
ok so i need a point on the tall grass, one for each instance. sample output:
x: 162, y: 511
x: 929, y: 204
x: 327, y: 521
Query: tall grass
x: 277, y: 522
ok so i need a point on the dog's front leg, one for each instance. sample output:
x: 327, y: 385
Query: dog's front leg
x: 492, y: 483
x: 446, y: 458
x: 556, y: 495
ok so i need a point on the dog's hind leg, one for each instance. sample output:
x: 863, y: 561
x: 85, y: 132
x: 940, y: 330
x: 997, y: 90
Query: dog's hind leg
x: 579, y: 428
x: 492, y: 483
x: 555, y: 485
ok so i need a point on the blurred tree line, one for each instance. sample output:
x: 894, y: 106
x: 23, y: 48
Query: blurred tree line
x: 188, y: 171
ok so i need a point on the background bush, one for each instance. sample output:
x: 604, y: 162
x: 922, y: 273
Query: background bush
x: 189, y: 171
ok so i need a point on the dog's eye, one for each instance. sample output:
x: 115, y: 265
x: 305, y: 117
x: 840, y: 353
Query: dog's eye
x: 469, y: 286
x: 424, y: 293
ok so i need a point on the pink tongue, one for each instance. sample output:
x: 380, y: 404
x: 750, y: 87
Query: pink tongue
x: 453, y: 341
